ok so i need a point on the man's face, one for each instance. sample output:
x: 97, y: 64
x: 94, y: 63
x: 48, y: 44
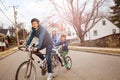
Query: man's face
x: 35, y: 24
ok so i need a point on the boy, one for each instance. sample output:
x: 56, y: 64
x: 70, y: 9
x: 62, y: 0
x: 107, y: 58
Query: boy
x: 64, y: 50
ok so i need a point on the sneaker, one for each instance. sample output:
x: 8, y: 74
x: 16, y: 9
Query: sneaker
x: 66, y: 65
x: 49, y: 76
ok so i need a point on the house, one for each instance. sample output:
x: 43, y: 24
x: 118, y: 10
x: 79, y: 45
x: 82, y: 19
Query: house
x: 101, y: 29
x: 55, y: 27
x: 8, y: 32
x: 63, y: 29
x: 70, y: 32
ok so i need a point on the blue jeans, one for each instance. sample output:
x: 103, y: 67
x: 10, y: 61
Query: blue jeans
x: 48, y: 53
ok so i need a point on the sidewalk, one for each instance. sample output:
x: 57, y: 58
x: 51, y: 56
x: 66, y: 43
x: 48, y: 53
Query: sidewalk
x: 8, y: 52
x: 109, y: 51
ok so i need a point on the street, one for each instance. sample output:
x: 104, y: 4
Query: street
x: 86, y: 66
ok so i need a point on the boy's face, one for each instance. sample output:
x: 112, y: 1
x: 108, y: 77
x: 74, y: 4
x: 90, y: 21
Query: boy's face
x: 63, y: 39
x: 35, y: 24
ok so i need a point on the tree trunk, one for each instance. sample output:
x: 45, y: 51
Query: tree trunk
x: 81, y: 38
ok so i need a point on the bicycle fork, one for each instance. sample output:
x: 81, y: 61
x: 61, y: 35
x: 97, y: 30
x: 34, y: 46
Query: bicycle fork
x: 29, y: 69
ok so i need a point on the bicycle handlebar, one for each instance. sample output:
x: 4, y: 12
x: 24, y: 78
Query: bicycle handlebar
x: 27, y: 48
x: 20, y: 48
x: 57, y: 47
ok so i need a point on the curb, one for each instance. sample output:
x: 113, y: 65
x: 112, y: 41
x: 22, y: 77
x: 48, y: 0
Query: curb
x: 8, y: 52
x: 97, y: 50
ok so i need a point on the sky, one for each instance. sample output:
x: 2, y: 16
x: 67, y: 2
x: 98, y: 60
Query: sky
x: 28, y: 9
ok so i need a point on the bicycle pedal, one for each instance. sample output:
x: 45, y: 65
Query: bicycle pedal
x: 43, y: 72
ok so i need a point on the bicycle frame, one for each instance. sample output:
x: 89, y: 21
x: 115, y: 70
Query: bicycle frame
x: 57, y: 52
x: 31, y: 61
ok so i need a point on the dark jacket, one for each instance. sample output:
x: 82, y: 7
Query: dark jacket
x: 43, y: 36
x: 64, y: 48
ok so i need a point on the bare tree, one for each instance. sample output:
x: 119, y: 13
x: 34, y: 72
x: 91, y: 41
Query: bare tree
x: 19, y: 28
x: 76, y: 15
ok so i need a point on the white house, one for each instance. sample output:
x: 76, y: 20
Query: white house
x: 102, y: 28
x: 70, y: 32
x: 8, y: 32
x: 55, y: 27
x: 66, y: 29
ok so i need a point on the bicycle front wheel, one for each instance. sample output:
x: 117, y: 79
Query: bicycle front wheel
x: 69, y: 62
x: 26, y: 71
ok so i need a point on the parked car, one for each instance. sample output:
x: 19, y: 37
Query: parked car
x: 2, y: 46
x: 21, y: 41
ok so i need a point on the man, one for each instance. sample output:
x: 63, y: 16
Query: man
x: 45, y: 41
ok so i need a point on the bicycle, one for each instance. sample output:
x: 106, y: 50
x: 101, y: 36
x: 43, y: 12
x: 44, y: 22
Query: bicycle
x: 27, y: 70
x: 68, y: 58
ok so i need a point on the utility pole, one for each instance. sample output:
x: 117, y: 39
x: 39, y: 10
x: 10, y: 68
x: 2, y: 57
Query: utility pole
x: 15, y: 23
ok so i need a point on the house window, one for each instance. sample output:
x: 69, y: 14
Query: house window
x: 104, y: 22
x: 69, y: 33
x: 114, y: 31
x: 73, y: 34
x: 95, y: 33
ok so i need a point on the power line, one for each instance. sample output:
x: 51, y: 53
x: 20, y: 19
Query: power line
x: 15, y: 17
x: 6, y: 16
x: 15, y: 13
x: 5, y: 6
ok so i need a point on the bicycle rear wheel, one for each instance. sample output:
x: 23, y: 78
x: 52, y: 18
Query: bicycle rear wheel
x: 69, y: 62
x: 26, y: 71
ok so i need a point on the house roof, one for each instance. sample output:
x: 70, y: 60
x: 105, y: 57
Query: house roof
x: 99, y: 19
x: 4, y: 31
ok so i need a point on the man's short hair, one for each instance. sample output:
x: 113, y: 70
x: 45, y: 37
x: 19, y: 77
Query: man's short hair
x: 34, y: 20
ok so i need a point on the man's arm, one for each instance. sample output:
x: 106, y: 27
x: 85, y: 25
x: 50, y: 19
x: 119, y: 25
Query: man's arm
x: 30, y: 39
x: 41, y: 37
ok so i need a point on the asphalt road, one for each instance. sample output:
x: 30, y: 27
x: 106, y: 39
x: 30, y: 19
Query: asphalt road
x: 86, y: 66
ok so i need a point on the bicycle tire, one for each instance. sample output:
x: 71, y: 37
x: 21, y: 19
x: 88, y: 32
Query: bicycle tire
x: 70, y: 65
x: 17, y: 72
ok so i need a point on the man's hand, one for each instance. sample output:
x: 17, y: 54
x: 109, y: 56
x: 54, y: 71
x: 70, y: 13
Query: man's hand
x: 35, y: 49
